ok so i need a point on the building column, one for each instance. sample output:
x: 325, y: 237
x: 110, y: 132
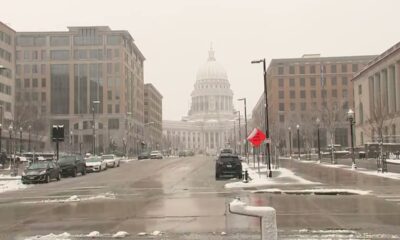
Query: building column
x: 377, y: 91
x: 384, y: 91
x: 391, y: 89
x: 396, y: 77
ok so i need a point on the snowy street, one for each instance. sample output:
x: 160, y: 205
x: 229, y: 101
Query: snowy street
x: 179, y: 198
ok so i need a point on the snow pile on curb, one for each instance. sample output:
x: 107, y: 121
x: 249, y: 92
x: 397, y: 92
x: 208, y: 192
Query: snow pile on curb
x: 9, y: 177
x: 281, y: 176
x: 75, y: 198
x: 314, y: 191
x: 67, y: 236
x: 154, y: 233
x: 11, y: 185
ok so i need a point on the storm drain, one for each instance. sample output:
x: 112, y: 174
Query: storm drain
x: 331, y: 192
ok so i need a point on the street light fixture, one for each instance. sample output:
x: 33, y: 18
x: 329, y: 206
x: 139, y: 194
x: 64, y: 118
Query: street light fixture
x: 318, y: 121
x: 245, y: 128
x: 298, y: 139
x: 266, y: 113
x: 350, y: 116
x: 290, y: 142
x: 94, y: 126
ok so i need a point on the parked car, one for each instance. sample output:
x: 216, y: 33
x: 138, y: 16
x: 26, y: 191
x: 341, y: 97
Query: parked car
x: 144, y: 155
x: 228, y: 164
x: 111, y: 160
x: 43, y: 171
x: 182, y: 154
x: 156, y: 155
x: 71, y: 165
x: 95, y: 164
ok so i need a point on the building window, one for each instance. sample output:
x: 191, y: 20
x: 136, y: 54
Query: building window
x: 281, y: 106
x: 354, y: 67
x: 109, y: 95
x: 27, y: 68
x: 302, y: 70
x: 313, y: 94
x: 109, y: 54
x: 34, y: 68
x: 291, y: 82
x: 113, y: 40
x: 334, y: 93
x: 35, y: 97
x: 291, y: 69
x: 59, y: 55
x: 303, y: 94
x: 334, y: 81
x: 18, y: 83
x: 27, y: 83
x: 323, y: 93
x: 292, y: 106
x: 303, y: 106
x: 34, y: 55
x: 281, y: 82
x: 116, y: 108
x: 361, y: 112
x: 333, y: 68
x: 43, y: 69
x: 359, y: 89
x: 43, y: 82
x: 313, y: 81
x: 113, y: 123
x: 27, y: 55
x: 59, y: 41
x: 109, y: 108
x: 35, y: 83
x: 314, y: 105
x: 292, y: 94
x: 393, y: 129
x: 281, y: 94
x: 312, y: 69
x: 344, y: 81
x: 344, y: 67
x: 344, y: 93
x: 282, y: 118
x: 302, y: 82
x: 43, y: 96
x: 59, y: 91
x: 280, y: 70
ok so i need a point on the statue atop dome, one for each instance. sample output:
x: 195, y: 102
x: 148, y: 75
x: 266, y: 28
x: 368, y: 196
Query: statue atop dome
x: 211, y: 54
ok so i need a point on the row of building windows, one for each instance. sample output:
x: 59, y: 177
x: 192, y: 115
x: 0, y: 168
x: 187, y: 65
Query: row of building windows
x: 4, y: 37
x: 30, y: 96
x: 6, y: 55
x: 6, y: 89
x: 313, y: 93
x: 30, y: 68
x: 312, y: 81
x: 80, y: 40
x: 6, y: 104
x: 28, y: 81
x: 314, y: 106
x: 312, y: 69
x: 63, y: 55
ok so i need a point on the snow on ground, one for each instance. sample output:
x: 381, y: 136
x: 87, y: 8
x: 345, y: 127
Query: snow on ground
x: 9, y: 177
x: 68, y: 236
x: 390, y: 175
x: 75, y: 198
x: 11, y: 185
x: 313, y: 191
x: 125, y: 160
x: 281, y: 176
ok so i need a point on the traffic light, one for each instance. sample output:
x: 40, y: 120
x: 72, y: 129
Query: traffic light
x: 58, y: 133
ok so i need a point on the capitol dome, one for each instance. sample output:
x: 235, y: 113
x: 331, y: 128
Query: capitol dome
x: 211, y: 70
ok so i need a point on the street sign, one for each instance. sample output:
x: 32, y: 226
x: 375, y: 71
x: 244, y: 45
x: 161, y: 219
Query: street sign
x: 256, y: 137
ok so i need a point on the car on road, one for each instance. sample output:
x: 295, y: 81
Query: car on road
x: 43, y: 171
x: 71, y: 165
x: 111, y: 160
x: 156, y: 155
x: 95, y: 164
x: 144, y: 155
x: 228, y: 165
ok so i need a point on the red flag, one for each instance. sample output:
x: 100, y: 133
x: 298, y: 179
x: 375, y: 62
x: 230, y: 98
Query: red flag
x: 256, y: 137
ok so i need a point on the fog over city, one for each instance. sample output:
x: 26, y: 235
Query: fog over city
x: 175, y: 36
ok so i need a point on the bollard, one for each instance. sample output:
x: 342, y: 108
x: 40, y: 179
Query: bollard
x: 246, y: 177
x: 267, y: 215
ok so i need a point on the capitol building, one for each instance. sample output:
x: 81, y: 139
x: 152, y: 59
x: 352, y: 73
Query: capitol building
x: 211, y: 117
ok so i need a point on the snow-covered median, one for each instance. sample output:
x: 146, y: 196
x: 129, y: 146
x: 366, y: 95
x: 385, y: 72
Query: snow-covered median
x: 316, y: 191
x: 75, y: 198
x: 281, y: 176
x: 11, y: 185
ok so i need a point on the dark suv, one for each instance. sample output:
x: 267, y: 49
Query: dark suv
x: 71, y: 165
x: 228, y: 164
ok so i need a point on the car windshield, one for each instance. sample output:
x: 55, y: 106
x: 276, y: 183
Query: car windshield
x: 38, y: 165
x: 93, y: 159
x: 66, y: 159
x: 107, y: 157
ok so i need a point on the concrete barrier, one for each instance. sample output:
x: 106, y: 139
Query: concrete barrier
x: 267, y: 215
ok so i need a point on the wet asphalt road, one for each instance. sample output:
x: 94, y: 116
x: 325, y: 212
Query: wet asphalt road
x: 180, y: 196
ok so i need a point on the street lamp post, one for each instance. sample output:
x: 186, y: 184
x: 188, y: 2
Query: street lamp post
x: 246, y: 150
x: 318, y: 141
x: 29, y: 137
x: 71, y: 141
x: 298, y: 139
x: 350, y: 116
x: 290, y: 142
x: 240, y: 134
x: 0, y: 135
x: 234, y: 134
x: 266, y: 114
x: 10, y: 128
x: 20, y: 141
x: 94, y: 126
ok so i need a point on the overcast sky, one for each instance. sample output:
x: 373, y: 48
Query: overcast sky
x: 175, y: 35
